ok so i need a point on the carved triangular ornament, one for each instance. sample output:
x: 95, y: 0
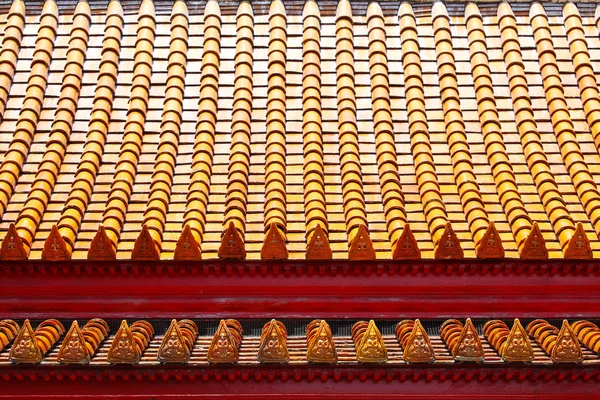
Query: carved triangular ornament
x: 12, y: 246
x: 55, y: 248
x: 73, y: 349
x: 222, y: 349
x: 371, y: 347
x: 274, y: 246
x: 318, y: 247
x: 361, y: 247
x: 122, y: 350
x: 448, y: 247
x: 419, y: 348
x: 579, y: 247
x: 534, y: 247
x: 187, y: 248
x: 567, y: 348
x: 490, y: 245
x: 518, y: 347
x: 232, y: 245
x: 25, y: 349
x: 407, y: 247
x: 273, y: 346
x: 144, y: 248
x: 322, y: 347
x: 101, y: 248
x: 173, y: 348
x: 469, y: 346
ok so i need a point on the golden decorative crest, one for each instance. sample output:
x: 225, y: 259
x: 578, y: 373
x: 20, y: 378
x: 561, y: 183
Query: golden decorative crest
x: 232, y: 245
x: 318, y: 248
x: 122, y: 350
x: 173, y: 348
x: 448, y: 247
x: 534, y: 247
x: 407, y: 247
x: 273, y: 344
x: 361, y: 247
x: 274, y: 246
x: 25, y: 348
x: 468, y: 347
x: 418, y: 348
x: 370, y: 347
x: 144, y: 248
x: 567, y: 348
x: 518, y: 347
x: 73, y: 349
x: 55, y: 248
x: 223, y: 348
x: 12, y: 246
x: 187, y: 248
x: 579, y: 247
x: 321, y: 347
x: 101, y: 248
x: 490, y: 245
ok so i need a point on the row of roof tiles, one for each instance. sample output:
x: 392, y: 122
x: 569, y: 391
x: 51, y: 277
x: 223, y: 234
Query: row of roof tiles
x: 181, y: 343
x: 540, y: 197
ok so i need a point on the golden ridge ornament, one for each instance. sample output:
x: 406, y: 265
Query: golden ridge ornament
x: 469, y: 347
x: 369, y: 343
x: 321, y: 347
x: 25, y: 348
x: 518, y: 347
x: 273, y: 343
x: 415, y: 342
x: 73, y: 349
x: 567, y: 348
x: 224, y: 345
x: 173, y: 348
x: 122, y: 350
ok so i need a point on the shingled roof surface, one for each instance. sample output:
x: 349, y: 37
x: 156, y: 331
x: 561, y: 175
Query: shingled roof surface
x: 293, y: 123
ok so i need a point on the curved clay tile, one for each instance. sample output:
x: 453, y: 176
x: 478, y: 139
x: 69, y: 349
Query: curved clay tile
x: 275, y: 165
x: 315, y: 203
x: 17, y: 152
x: 91, y: 158
x: 48, y: 170
x: 588, y: 87
x: 387, y: 158
x: 427, y: 180
x: 564, y: 130
x: 350, y: 165
x: 131, y: 147
x: 11, y: 43
x: 155, y: 214
x: 462, y: 162
x: 504, y: 176
x: 204, y: 145
x: 236, y: 201
x: 535, y: 156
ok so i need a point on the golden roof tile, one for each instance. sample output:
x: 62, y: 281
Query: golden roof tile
x: 11, y: 43
x: 588, y: 333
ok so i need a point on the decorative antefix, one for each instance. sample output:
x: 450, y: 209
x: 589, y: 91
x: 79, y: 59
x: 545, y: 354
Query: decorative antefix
x: 273, y: 343
x: 370, y: 346
x: 173, y: 348
x: 361, y: 247
x: 144, y: 248
x: 567, y: 348
x: 187, y: 248
x: 518, y: 347
x: 232, y: 245
x: 73, y: 349
x: 448, y: 247
x: 406, y: 246
x: 318, y: 247
x: 101, y: 248
x: 55, y: 248
x: 25, y: 348
x: 418, y: 348
x: 468, y: 347
x: 122, y: 350
x: 12, y: 246
x: 490, y: 245
x: 534, y: 247
x: 224, y: 347
x: 321, y: 347
x: 274, y: 246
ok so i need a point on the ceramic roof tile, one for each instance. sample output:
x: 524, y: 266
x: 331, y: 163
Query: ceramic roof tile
x: 11, y: 43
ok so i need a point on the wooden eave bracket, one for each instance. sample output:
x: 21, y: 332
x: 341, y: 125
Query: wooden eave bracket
x: 579, y: 247
x: 406, y: 247
x: 469, y: 347
x: 122, y: 350
x: 73, y: 349
x: 534, y: 247
x: 55, y: 247
x: 187, y: 248
x: 322, y: 349
x: 448, y: 247
x: 274, y: 247
x: 25, y: 349
x: 567, y: 348
x: 318, y: 247
x: 361, y: 247
x: 232, y: 245
x: 490, y: 245
x: 144, y: 248
x: 273, y: 345
x: 12, y: 246
x: 173, y: 348
x: 419, y: 348
x: 518, y: 348
x: 371, y: 348
x: 222, y: 348
x: 101, y: 248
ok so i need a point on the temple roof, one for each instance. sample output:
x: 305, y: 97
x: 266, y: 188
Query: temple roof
x: 204, y: 132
